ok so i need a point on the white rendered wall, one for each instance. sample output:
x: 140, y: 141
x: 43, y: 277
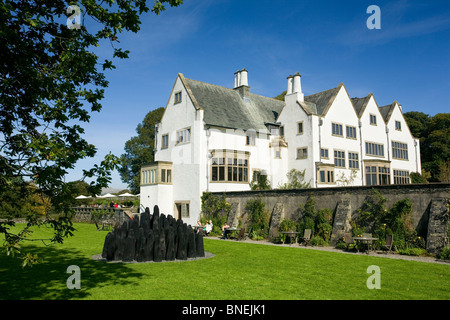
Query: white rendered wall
x: 372, y: 133
x: 341, y: 112
x: 404, y: 136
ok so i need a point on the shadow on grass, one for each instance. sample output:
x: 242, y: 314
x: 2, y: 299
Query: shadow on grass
x: 48, y: 279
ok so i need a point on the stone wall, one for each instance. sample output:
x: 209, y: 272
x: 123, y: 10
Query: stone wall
x: 84, y: 214
x: 345, y: 202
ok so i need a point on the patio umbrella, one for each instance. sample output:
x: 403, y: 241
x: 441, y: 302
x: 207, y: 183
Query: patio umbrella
x: 82, y: 197
x: 108, y: 195
x: 126, y: 195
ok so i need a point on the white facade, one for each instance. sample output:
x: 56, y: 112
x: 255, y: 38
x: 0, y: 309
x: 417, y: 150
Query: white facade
x: 217, y: 139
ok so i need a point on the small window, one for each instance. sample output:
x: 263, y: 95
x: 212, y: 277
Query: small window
x: 326, y: 175
x: 373, y: 119
x: 324, y: 153
x: 353, y: 160
x: 299, y: 127
x: 165, y: 141
x: 178, y: 97
x: 184, y: 136
x: 282, y: 131
x: 339, y: 158
x: 336, y: 129
x: 351, y: 132
x: 398, y: 125
x: 302, y: 153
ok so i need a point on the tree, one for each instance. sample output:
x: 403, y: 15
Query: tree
x: 139, y: 150
x: 434, y: 135
x: 50, y: 82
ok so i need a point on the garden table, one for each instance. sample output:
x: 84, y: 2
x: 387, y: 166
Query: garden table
x: 365, y: 240
x: 290, y: 234
x: 229, y: 230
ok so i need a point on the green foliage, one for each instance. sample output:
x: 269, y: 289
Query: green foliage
x: 296, y: 180
x: 287, y: 225
x: 139, y: 150
x: 412, y: 251
x: 50, y: 83
x: 417, y: 178
x: 260, y: 183
x: 375, y: 218
x: 258, y: 217
x: 434, y: 135
x: 444, y: 254
x: 320, y: 222
x: 216, y: 209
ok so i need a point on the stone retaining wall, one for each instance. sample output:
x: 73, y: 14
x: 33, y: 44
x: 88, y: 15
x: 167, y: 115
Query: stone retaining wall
x: 430, y: 219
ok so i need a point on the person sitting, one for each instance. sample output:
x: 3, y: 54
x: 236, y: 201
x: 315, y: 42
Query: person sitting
x: 224, y: 231
x: 208, y: 227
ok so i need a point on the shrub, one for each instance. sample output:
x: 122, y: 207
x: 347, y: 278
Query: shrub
x: 216, y: 209
x: 258, y: 217
x: 287, y: 225
x: 377, y: 219
x: 444, y: 254
x: 318, y: 241
x: 320, y: 222
x: 412, y: 251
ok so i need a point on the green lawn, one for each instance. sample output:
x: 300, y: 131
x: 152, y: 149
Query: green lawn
x: 238, y: 271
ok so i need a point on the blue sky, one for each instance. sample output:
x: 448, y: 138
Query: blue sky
x: 327, y: 42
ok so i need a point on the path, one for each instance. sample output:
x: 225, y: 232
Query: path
x: 333, y: 249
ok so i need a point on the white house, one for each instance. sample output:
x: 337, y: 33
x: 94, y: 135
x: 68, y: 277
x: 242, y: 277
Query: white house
x: 217, y: 139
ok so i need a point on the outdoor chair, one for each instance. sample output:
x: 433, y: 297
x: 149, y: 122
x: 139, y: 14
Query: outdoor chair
x: 307, y: 237
x: 389, y: 242
x: 348, y: 239
x: 241, y: 236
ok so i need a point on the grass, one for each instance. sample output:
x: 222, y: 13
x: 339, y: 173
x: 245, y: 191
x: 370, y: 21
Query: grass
x: 238, y: 271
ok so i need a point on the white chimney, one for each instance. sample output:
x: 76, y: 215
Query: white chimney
x: 294, y: 89
x: 297, y: 85
x: 289, y: 84
x: 244, y: 78
x: 241, y: 78
x: 237, y: 78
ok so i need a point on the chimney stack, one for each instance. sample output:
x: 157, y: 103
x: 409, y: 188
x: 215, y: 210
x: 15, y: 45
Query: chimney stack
x: 241, y: 82
x: 241, y: 78
x: 290, y: 84
x: 294, y: 88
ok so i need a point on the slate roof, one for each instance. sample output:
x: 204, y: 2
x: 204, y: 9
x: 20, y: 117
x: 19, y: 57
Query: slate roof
x: 386, y: 111
x: 320, y: 102
x: 224, y: 107
x: 360, y: 104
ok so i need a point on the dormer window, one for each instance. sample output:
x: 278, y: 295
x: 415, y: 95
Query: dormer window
x: 177, y: 97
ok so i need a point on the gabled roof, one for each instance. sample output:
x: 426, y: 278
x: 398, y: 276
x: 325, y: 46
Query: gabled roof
x: 320, y: 102
x: 360, y: 104
x: 386, y: 111
x: 225, y: 107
